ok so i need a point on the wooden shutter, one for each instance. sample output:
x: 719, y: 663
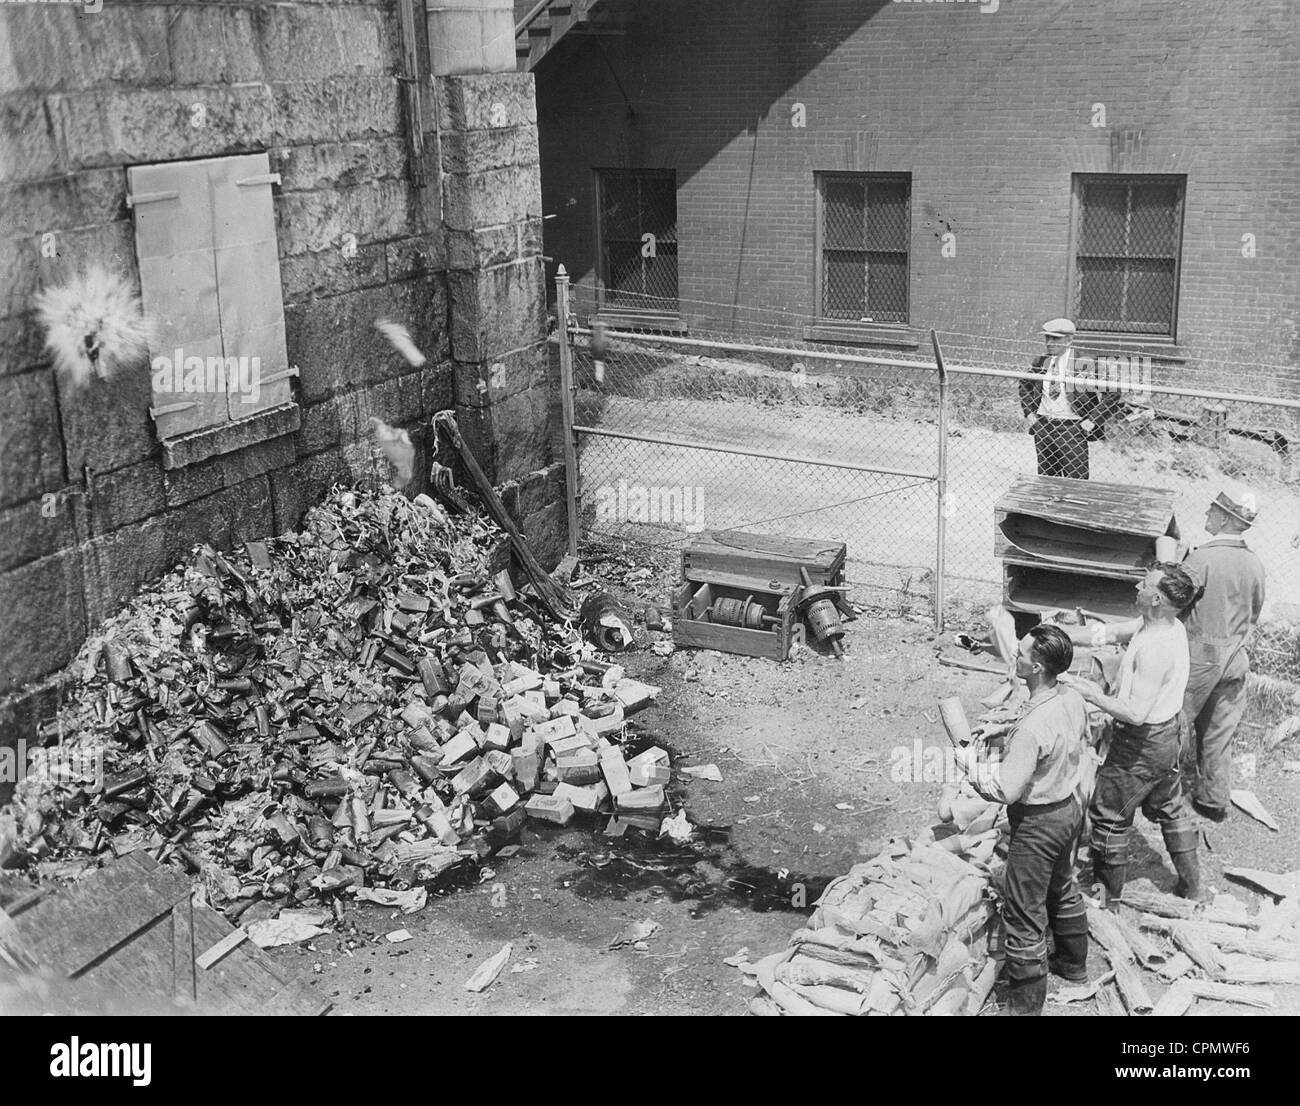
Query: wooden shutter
x: 178, y: 283
x: 210, y: 280
x: 248, y: 276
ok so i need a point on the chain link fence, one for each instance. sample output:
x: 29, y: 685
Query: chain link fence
x: 749, y: 427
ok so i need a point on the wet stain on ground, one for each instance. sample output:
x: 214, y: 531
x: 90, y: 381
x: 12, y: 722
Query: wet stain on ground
x: 707, y: 873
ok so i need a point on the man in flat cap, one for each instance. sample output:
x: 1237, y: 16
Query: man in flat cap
x: 1218, y: 628
x: 1062, y: 415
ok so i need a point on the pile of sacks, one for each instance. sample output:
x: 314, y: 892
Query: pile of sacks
x: 355, y: 707
x: 914, y: 931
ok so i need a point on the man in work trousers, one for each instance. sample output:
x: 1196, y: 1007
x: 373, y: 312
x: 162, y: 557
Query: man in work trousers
x: 1038, y: 779
x: 1142, y: 764
x: 1218, y: 629
x: 1061, y: 415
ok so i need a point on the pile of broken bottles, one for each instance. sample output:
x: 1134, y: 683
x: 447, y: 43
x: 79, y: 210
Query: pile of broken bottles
x: 364, y: 703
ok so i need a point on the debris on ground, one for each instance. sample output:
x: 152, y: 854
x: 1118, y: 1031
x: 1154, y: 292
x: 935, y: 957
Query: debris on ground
x: 1247, y: 802
x: 269, y: 933
x: 710, y: 772
x: 354, y: 708
x: 606, y: 623
x: 677, y: 828
x: 635, y: 933
x: 486, y: 973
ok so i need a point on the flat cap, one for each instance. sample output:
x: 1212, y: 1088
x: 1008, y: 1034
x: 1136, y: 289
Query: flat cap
x: 1058, y: 328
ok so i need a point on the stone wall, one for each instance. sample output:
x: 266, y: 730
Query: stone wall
x: 87, y: 511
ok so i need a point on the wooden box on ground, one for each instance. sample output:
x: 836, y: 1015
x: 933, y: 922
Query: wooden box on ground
x: 693, y: 627
x: 1078, y: 543
x: 764, y: 557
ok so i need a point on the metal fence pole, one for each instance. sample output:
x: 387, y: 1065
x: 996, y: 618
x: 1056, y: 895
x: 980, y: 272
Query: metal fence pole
x: 567, y: 389
x: 941, y: 488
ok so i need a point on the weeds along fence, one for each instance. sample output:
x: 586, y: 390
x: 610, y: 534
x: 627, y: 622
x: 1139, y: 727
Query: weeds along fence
x: 902, y: 454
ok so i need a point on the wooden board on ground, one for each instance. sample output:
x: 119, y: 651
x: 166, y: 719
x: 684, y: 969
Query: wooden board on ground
x: 131, y: 929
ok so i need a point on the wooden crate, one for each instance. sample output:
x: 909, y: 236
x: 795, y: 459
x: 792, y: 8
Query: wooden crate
x: 1078, y: 543
x: 769, y: 558
x: 692, y: 628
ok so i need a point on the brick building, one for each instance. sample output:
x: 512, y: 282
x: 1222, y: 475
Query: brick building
x: 270, y: 149
x: 864, y: 170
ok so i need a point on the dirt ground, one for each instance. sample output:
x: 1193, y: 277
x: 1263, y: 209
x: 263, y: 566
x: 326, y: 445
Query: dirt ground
x: 805, y: 751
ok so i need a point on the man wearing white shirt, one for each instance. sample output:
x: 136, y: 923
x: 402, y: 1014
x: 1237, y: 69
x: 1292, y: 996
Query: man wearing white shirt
x: 1061, y: 415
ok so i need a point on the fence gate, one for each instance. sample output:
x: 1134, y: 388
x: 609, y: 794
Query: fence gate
x: 666, y: 436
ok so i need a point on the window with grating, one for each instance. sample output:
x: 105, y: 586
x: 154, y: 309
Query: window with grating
x: 1128, y: 237
x: 637, y: 211
x: 864, y: 226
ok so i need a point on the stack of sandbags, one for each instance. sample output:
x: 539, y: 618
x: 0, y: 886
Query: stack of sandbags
x: 908, y: 932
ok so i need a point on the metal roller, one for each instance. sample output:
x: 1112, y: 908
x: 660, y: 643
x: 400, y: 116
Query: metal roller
x: 746, y: 612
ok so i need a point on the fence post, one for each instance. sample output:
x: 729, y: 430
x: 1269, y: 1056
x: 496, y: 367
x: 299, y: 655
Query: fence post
x: 567, y: 389
x: 941, y: 488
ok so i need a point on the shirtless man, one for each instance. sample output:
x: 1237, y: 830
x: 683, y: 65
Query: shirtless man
x: 1142, y: 764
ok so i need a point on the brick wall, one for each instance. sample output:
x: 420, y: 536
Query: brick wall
x: 82, y: 96
x: 990, y: 113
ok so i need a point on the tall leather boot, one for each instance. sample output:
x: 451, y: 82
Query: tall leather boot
x: 1026, y: 997
x: 1181, y: 843
x: 1109, y: 867
x: 1070, y: 959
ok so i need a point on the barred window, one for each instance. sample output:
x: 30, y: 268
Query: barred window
x: 1128, y: 237
x: 637, y: 224
x: 864, y: 226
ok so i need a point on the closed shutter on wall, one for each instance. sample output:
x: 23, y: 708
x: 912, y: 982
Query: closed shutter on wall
x: 210, y: 284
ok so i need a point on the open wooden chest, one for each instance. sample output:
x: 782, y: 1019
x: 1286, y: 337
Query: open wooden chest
x: 695, y: 610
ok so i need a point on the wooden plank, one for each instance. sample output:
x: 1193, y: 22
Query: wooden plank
x: 553, y: 597
x: 139, y: 969
x: 1122, y: 508
x: 764, y: 557
x: 226, y: 945
x: 728, y: 639
x: 183, y: 952
x: 71, y: 930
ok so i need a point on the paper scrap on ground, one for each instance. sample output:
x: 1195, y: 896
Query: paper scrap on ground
x: 398, y: 936
x: 677, y: 827
x: 486, y: 973
x: 269, y: 933
x: 704, y: 772
x: 1245, y: 800
x: 408, y: 902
